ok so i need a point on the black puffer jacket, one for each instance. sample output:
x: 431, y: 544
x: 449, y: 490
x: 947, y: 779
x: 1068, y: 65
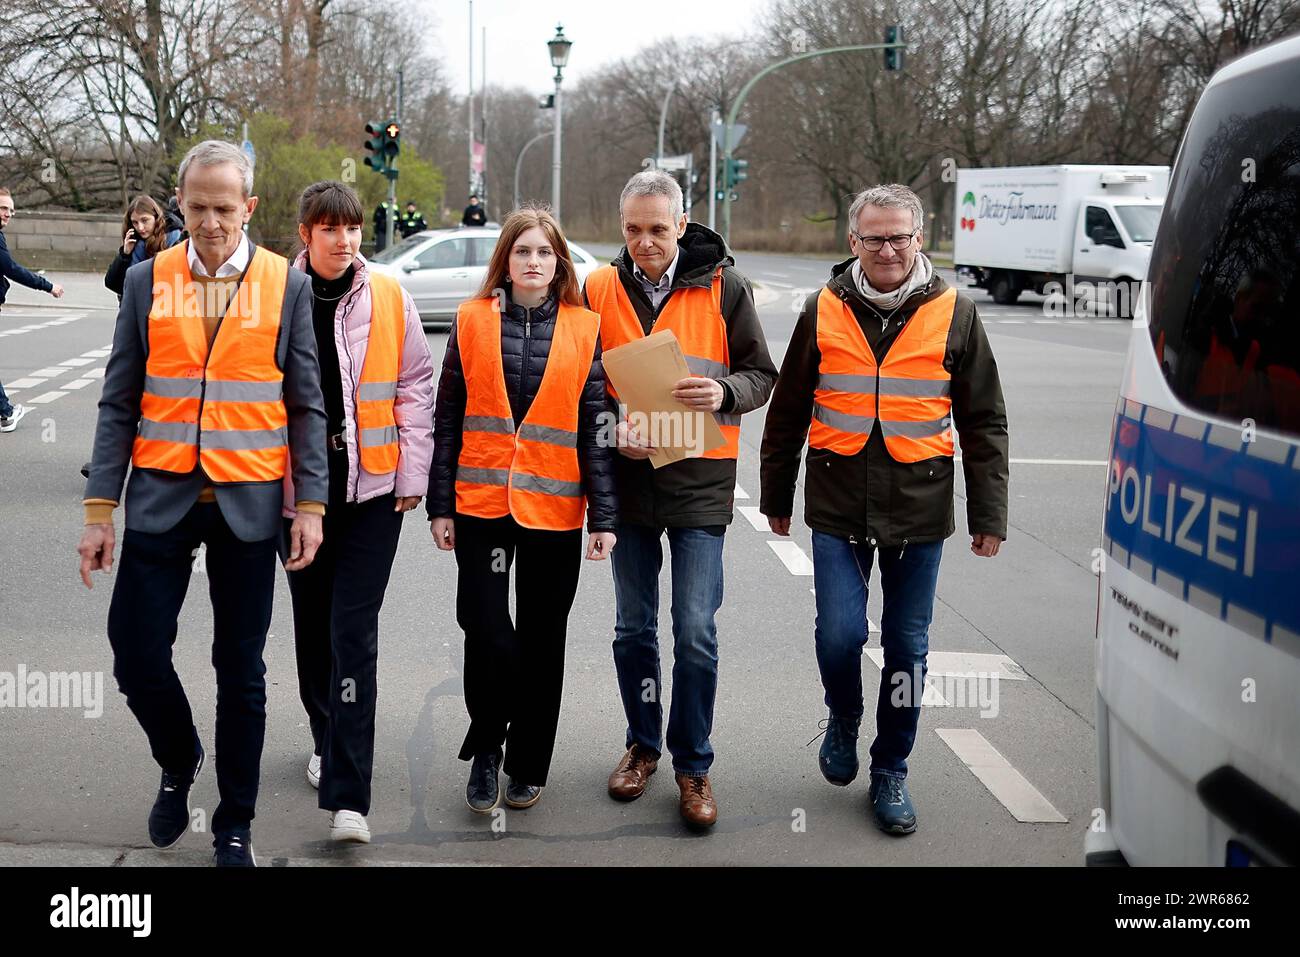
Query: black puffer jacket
x: 525, y: 346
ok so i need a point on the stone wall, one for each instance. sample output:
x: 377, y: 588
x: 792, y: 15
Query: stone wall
x: 64, y: 241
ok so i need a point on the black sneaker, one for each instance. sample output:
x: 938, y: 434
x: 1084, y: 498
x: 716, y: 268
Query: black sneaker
x: 891, y: 805
x: 522, y: 795
x: 838, y: 758
x: 234, y: 849
x: 483, y: 793
x: 170, y: 817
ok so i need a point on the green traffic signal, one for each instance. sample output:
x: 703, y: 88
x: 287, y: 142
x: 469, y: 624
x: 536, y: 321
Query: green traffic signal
x: 894, y: 55
x: 734, y: 172
x: 376, y: 147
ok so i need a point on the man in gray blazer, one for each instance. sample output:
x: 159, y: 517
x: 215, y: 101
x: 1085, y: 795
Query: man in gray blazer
x: 210, y: 406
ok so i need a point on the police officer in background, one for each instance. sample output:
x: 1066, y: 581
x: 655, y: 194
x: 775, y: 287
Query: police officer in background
x: 412, y: 220
x: 381, y: 223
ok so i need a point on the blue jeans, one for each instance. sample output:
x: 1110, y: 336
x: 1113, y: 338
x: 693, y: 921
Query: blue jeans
x: 6, y: 409
x: 697, y: 595
x: 908, y: 576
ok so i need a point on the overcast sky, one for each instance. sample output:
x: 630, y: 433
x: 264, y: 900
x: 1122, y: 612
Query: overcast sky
x: 601, y: 31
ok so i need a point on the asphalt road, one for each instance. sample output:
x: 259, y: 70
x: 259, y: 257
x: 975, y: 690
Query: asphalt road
x: 1009, y: 782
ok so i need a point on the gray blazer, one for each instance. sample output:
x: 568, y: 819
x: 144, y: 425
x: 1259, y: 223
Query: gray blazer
x: 156, y: 500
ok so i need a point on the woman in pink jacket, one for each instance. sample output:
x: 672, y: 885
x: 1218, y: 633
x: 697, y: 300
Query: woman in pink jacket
x: 377, y: 382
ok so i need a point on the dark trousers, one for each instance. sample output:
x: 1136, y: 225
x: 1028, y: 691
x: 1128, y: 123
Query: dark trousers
x: 336, y: 602
x: 153, y: 576
x: 514, y: 671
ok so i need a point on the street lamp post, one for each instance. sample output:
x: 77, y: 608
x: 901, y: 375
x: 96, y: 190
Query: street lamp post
x: 559, y: 48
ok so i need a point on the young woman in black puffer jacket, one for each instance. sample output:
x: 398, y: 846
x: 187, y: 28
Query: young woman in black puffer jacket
x: 522, y: 445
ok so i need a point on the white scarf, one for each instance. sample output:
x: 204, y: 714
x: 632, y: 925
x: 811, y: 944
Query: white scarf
x: 922, y: 272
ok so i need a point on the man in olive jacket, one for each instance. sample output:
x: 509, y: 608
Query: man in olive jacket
x: 884, y: 361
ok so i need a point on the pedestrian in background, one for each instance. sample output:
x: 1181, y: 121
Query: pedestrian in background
x: 474, y: 214
x: 377, y: 383
x: 11, y: 414
x: 884, y: 361
x: 145, y: 233
x: 517, y: 455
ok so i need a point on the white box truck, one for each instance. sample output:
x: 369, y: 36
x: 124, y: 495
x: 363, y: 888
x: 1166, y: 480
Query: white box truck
x: 1074, y: 230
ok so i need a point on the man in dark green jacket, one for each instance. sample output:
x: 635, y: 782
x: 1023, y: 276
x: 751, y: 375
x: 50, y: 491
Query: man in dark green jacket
x: 667, y: 270
x: 884, y: 362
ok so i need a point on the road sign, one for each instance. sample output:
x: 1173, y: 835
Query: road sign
x: 737, y: 134
x: 247, y: 147
x: 675, y: 162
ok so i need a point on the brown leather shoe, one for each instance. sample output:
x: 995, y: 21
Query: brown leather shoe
x: 697, y: 806
x: 629, y: 780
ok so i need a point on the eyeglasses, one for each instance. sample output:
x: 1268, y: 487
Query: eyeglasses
x: 873, y: 243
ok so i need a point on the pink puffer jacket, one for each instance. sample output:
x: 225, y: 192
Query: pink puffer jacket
x: 413, y: 408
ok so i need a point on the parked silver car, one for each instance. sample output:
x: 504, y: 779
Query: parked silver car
x: 441, y: 268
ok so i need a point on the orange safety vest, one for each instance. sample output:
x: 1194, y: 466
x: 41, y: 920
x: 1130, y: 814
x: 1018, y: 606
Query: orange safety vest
x: 532, y: 473
x: 908, y: 393
x: 377, y: 387
x: 695, y: 317
x: 220, y: 407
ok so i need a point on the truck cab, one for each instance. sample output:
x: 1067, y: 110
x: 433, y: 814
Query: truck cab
x: 1112, y: 249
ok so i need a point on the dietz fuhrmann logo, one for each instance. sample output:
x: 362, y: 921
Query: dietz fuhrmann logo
x: 75, y: 909
x: 968, y: 205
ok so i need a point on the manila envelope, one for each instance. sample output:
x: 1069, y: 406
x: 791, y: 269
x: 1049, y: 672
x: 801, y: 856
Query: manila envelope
x: 644, y: 372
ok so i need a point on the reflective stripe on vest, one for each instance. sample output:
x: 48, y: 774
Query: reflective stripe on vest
x: 693, y: 314
x: 531, y: 473
x: 908, y: 394
x: 221, y: 407
x: 377, y: 388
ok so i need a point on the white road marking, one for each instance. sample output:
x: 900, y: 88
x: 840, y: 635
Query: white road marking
x: 962, y: 664
x: 97, y: 353
x: 77, y: 383
x: 49, y: 372
x: 1011, y: 322
x: 76, y: 362
x: 23, y: 384
x: 741, y: 493
x: 46, y: 397
x: 57, y: 321
x: 94, y: 373
x: 1048, y: 322
x: 756, y: 518
x: 1025, y: 802
x: 793, y: 557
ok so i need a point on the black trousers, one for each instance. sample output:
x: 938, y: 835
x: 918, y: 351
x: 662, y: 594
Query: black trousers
x: 153, y: 576
x: 514, y: 671
x: 336, y: 602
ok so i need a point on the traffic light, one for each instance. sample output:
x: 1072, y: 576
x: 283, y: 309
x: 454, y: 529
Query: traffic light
x: 894, y: 55
x: 384, y: 145
x: 375, y: 146
x: 734, y: 172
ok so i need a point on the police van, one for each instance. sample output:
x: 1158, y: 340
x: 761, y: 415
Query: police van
x: 1198, y: 623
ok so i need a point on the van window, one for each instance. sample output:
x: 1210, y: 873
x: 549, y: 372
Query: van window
x: 1140, y: 221
x: 1100, y: 228
x: 1225, y: 288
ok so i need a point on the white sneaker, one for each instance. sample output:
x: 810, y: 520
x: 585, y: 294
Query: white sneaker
x: 349, y: 826
x: 11, y: 423
x: 313, y: 771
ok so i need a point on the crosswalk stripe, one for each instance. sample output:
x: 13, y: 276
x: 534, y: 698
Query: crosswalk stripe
x: 1025, y: 802
x: 741, y: 493
x: 46, y: 397
x: 77, y: 383
x: 756, y: 518
x: 793, y: 557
